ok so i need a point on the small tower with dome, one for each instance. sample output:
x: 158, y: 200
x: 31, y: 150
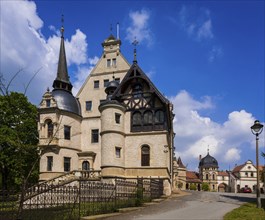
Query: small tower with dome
x: 208, y: 171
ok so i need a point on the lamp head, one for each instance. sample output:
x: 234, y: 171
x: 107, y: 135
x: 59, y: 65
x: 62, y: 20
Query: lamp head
x: 256, y: 128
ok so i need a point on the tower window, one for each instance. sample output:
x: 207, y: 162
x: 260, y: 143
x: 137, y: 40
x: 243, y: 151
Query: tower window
x: 96, y: 84
x: 118, y: 152
x: 117, y: 118
x: 207, y: 177
x: 145, y: 155
x: 114, y: 63
x: 48, y: 103
x: 88, y: 105
x: 106, y: 82
x: 67, y: 132
x: 94, y: 136
x: 108, y: 62
x: 67, y: 164
x: 49, y: 163
x: 49, y: 129
x: 137, y: 90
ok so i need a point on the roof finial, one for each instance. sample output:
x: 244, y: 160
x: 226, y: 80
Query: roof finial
x: 62, y: 27
x: 208, y: 149
x: 135, y: 42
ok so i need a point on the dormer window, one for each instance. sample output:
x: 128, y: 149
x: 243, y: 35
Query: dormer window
x: 137, y: 90
x: 48, y: 103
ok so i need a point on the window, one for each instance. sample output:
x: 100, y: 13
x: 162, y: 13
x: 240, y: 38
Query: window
x: 252, y: 174
x: 246, y: 173
x: 106, y: 82
x: 67, y: 132
x: 137, y: 90
x: 148, y: 118
x: 118, y: 152
x: 96, y: 84
x: 145, y: 155
x: 213, y: 187
x: 48, y: 103
x: 88, y: 105
x: 207, y: 176
x: 159, y: 117
x: 49, y: 129
x: 223, y: 178
x: 85, y: 165
x: 114, y: 63
x: 108, y: 62
x: 213, y: 177
x: 67, y: 164
x: 117, y: 118
x: 49, y: 163
x: 136, y: 119
x: 94, y: 136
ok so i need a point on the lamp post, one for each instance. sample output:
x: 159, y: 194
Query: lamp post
x: 256, y: 129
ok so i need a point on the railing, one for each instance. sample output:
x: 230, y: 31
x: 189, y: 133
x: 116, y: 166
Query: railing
x: 84, y: 198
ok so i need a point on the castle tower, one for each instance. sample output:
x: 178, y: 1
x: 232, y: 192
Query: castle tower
x: 208, y: 171
x: 59, y: 124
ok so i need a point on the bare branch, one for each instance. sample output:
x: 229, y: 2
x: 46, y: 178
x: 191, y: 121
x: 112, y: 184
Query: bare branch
x: 31, y: 80
x: 15, y: 75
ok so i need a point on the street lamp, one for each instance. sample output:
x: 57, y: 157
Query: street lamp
x: 256, y: 129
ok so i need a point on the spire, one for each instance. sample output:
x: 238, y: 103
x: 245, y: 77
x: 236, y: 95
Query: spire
x: 135, y: 42
x: 62, y: 79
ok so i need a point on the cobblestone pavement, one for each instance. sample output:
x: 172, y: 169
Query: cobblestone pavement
x: 193, y: 205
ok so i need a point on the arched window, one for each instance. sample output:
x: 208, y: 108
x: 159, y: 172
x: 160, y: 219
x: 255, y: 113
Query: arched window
x: 145, y: 155
x: 49, y: 128
x: 136, y: 119
x: 213, y: 177
x: 207, y: 176
x: 159, y: 117
x: 85, y: 165
x: 148, y: 118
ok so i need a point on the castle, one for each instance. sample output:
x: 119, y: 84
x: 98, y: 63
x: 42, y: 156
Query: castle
x: 118, y: 123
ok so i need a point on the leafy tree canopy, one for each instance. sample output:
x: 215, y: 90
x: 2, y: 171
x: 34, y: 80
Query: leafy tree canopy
x: 18, y: 139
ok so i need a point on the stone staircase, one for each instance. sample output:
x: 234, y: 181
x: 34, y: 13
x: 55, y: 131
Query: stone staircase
x: 68, y: 178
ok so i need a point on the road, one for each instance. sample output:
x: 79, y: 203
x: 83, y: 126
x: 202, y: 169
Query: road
x: 195, y: 205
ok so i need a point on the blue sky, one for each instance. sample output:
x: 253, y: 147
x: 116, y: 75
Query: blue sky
x: 207, y: 57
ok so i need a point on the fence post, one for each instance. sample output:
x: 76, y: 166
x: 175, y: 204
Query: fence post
x: 79, y: 201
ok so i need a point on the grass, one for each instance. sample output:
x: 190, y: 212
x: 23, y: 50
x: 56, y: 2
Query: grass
x: 247, y: 211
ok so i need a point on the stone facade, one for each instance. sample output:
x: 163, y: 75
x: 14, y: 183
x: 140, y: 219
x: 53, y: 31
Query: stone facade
x: 118, y: 122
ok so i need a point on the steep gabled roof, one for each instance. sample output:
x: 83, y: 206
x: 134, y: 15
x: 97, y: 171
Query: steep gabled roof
x: 136, y: 72
x: 238, y: 168
x: 179, y: 162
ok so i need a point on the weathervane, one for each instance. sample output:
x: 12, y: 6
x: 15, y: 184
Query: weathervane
x: 62, y: 28
x: 135, y: 43
x: 111, y: 29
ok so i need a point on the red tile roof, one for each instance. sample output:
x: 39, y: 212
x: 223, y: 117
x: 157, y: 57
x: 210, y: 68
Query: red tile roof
x: 192, y: 177
x: 238, y: 168
x: 222, y: 173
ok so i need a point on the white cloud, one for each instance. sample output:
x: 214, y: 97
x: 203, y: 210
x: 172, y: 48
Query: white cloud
x: 215, y: 53
x: 227, y: 141
x: 139, y: 27
x: 196, y: 23
x: 24, y: 47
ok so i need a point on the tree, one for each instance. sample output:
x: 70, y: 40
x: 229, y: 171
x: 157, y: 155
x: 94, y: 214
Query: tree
x: 18, y: 139
x: 193, y: 186
x: 205, y: 187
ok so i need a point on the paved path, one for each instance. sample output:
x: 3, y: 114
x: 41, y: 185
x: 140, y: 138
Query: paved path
x: 196, y: 205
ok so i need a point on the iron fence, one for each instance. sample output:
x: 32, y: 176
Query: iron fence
x: 80, y: 198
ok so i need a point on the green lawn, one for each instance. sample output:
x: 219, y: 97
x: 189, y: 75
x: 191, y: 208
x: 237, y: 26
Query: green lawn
x: 248, y: 211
